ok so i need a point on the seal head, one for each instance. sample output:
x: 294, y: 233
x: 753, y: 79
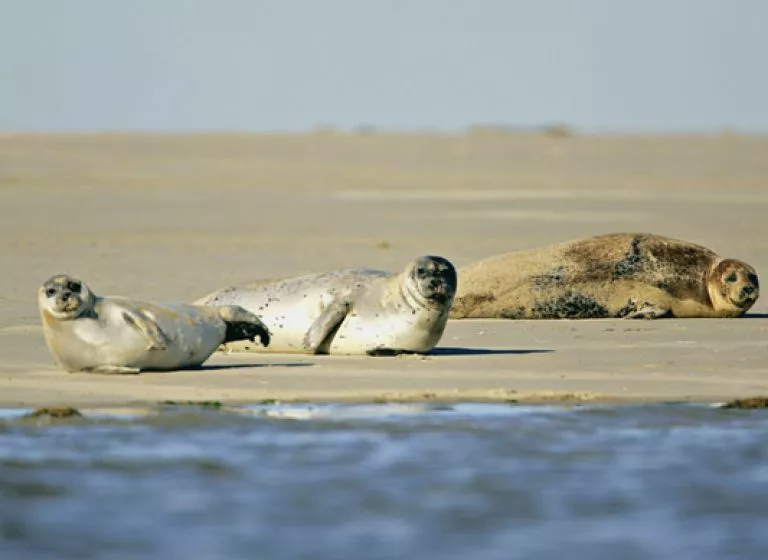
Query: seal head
x: 733, y: 286
x: 433, y: 280
x: 65, y: 297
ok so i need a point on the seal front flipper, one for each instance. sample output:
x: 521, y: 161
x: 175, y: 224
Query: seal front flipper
x: 242, y: 325
x: 140, y: 321
x: 326, y: 325
x: 647, y: 310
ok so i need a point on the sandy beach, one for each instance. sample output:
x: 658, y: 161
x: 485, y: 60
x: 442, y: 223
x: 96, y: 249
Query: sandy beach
x: 170, y: 218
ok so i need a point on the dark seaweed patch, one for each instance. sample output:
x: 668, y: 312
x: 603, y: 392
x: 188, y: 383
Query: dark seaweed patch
x: 753, y: 402
x: 203, y: 404
x: 55, y: 412
x: 571, y: 305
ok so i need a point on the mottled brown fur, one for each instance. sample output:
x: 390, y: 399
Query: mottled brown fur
x: 614, y: 275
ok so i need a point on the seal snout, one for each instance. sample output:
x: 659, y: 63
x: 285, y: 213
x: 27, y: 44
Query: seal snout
x: 749, y: 291
x: 748, y: 294
x: 63, y: 298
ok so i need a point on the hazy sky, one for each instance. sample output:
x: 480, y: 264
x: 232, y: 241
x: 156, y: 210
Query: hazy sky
x: 293, y: 64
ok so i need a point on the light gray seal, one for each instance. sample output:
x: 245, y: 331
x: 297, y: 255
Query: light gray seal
x: 630, y: 275
x: 349, y: 311
x: 85, y: 332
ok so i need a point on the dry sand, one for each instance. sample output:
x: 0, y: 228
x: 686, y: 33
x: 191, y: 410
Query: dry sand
x: 170, y: 218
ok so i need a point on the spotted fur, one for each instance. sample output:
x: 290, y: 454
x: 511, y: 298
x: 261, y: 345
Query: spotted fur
x: 614, y: 275
x: 570, y: 305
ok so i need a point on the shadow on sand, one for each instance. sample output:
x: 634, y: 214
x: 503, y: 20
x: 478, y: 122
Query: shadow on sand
x: 211, y: 367
x: 457, y: 351
x: 755, y: 316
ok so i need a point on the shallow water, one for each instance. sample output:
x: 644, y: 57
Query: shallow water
x: 388, y: 481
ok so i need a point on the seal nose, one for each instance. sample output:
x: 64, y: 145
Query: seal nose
x: 747, y: 293
x: 63, y: 297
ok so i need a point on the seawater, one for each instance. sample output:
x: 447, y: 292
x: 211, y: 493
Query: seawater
x: 464, y: 481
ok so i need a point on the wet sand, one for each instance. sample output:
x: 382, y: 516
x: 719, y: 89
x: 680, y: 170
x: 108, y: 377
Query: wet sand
x: 170, y: 218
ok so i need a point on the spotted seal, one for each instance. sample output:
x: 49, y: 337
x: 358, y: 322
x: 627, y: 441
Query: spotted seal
x: 633, y: 275
x: 350, y: 311
x: 85, y: 332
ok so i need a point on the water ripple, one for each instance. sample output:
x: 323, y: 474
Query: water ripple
x: 389, y: 481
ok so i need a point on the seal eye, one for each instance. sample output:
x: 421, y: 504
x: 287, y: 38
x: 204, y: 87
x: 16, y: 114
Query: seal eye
x: 73, y: 286
x: 421, y: 271
x: 731, y: 277
x: 50, y: 292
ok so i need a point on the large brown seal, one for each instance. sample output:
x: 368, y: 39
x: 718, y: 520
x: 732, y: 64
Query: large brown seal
x: 633, y: 275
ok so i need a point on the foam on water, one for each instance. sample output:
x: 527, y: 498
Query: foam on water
x: 390, y: 410
x: 11, y: 413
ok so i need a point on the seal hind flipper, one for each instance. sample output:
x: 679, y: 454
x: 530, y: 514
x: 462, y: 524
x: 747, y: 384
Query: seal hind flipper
x: 143, y: 323
x: 243, y: 325
x: 326, y: 325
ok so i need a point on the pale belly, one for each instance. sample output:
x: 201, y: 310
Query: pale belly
x: 194, y: 338
x: 288, y: 319
x: 361, y: 334
x: 92, y: 344
x: 289, y: 307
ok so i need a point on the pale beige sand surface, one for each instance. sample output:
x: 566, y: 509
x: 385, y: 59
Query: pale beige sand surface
x: 170, y: 218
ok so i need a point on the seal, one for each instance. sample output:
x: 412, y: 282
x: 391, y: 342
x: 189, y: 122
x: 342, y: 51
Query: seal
x: 85, y: 332
x: 352, y: 311
x: 632, y: 275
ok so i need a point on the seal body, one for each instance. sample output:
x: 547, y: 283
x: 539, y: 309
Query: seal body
x: 349, y: 311
x: 85, y: 332
x: 632, y: 275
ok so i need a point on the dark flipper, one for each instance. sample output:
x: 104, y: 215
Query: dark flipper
x: 243, y: 325
x: 325, y: 325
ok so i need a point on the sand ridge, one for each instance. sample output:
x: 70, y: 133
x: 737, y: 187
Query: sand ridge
x: 172, y: 217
